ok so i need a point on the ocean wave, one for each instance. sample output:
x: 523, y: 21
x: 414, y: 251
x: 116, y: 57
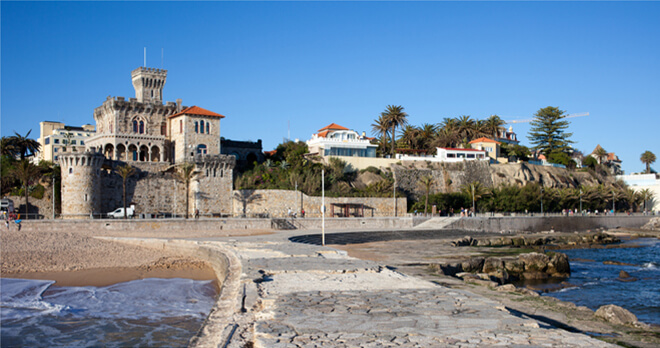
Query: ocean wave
x: 650, y: 265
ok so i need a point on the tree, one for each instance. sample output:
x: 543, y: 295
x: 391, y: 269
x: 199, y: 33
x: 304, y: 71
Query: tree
x: 466, y: 127
x: 125, y: 171
x: 26, y: 172
x: 427, y: 183
x: 395, y: 117
x: 381, y: 128
x: 492, y: 125
x: 647, y: 158
x: 589, y: 162
x: 475, y: 191
x: 23, y: 145
x: 547, y: 132
x: 8, y: 148
x: 646, y: 195
x: 411, y: 136
x: 186, y: 173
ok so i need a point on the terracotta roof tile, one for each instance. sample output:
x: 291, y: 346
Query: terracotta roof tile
x: 197, y: 111
x: 323, y: 134
x: 333, y: 126
x: 484, y: 140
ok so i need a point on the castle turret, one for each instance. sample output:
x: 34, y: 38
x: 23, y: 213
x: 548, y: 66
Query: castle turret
x: 148, y: 84
x: 80, y: 184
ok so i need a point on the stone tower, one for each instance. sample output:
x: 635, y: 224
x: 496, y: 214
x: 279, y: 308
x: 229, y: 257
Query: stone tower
x: 148, y: 84
x: 80, y: 184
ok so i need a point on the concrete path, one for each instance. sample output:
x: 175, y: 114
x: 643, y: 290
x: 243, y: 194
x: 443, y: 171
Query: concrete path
x: 301, y: 295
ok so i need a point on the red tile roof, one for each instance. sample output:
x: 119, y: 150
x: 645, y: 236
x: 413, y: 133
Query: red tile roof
x: 323, y: 134
x: 333, y: 126
x: 484, y: 140
x: 455, y: 149
x: 196, y: 111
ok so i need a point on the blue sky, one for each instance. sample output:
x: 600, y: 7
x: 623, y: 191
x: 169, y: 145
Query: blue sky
x: 267, y: 64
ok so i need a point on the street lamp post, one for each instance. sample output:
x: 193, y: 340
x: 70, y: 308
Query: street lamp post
x: 580, y: 201
x: 541, y: 200
x: 613, y: 200
x: 474, y: 211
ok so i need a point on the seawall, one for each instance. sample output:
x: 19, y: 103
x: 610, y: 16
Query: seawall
x: 547, y: 223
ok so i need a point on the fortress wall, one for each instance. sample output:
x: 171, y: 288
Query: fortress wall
x: 276, y: 203
x: 538, y: 224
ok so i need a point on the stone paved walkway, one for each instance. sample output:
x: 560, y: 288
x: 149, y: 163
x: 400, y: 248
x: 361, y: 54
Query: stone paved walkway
x: 299, y: 295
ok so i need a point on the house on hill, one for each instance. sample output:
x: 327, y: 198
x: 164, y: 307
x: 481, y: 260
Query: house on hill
x: 335, y: 140
x: 611, y: 161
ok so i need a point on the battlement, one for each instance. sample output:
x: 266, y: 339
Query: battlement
x: 85, y: 159
x: 154, y: 71
x: 227, y: 160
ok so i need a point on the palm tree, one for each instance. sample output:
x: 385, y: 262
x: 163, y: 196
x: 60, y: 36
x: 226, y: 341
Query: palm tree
x: 475, y: 190
x: 23, y: 145
x: 380, y: 128
x: 395, y: 117
x: 426, y: 133
x: 186, y: 173
x: 646, y: 195
x: 125, y: 172
x: 647, y: 158
x: 26, y: 172
x: 493, y: 124
x: 465, y: 127
x: 601, y: 155
x: 7, y: 147
x: 410, y: 136
x: 426, y: 182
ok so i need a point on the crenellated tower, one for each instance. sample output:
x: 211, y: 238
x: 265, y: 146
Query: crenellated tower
x: 148, y: 84
x: 80, y: 184
x: 212, y: 190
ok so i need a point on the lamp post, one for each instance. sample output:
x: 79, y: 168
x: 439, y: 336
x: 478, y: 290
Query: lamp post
x: 323, y: 207
x: 394, y: 191
x: 474, y: 211
x: 580, y: 201
x: 613, y: 200
x: 541, y: 200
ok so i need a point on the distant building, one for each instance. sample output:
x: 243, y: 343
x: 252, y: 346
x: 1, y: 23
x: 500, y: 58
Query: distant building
x: 640, y: 182
x: 335, y: 140
x: 446, y: 154
x: 246, y: 152
x: 507, y: 136
x: 491, y: 146
x: 611, y: 161
x: 56, y: 137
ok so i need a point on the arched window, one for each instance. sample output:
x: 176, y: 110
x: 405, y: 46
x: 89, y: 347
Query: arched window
x: 141, y: 127
x: 135, y: 126
x: 201, y: 149
x: 196, y: 127
x: 207, y: 128
x: 201, y: 127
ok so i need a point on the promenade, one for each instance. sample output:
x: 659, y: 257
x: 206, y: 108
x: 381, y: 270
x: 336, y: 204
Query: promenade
x: 291, y: 294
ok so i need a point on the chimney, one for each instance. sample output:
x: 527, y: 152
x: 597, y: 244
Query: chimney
x: 178, y: 105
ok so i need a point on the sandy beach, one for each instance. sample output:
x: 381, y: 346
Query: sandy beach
x: 78, y: 259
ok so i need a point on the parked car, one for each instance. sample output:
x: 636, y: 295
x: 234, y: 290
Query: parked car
x: 119, y: 212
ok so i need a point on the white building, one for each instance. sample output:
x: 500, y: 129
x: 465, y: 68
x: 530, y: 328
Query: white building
x: 335, y: 140
x: 640, y: 182
x: 56, y: 137
x: 445, y: 154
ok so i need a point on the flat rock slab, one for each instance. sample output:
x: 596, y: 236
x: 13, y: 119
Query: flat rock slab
x: 310, y: 296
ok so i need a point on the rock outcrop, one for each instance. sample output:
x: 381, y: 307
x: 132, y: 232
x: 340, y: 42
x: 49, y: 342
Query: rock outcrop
x: 653, y: 225
x: 504, y: 270
x: 616, y: 315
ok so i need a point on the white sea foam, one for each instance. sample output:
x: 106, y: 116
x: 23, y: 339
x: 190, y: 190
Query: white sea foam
x: 650, y: 265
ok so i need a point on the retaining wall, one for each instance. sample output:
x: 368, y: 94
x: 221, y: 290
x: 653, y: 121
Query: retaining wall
x: 538, y: 224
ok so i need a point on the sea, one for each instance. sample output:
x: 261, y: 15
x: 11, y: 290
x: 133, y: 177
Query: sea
x: 597, y: 283
x: 149, y: 312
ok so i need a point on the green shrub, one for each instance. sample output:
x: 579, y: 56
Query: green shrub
x: 37, y: 191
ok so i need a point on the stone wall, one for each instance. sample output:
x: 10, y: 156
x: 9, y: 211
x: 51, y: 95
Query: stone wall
x: 37, y: 209
x: 448, y: 177
x: 276, y: 203
x: 539, y: 224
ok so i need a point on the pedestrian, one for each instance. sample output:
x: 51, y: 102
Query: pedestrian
x: 7, y: 224
x: 18, y: 223
x: 196, y: 213
x: 289, y: 212
x: 302, y: 213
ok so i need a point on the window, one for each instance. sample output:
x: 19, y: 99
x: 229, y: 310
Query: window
x: 73, y: 142
x: 201, y: 127
x: 55, y: 158
x: 196, y: 127
x: 141, y: 127
x: 56, y: 141
x: 201, y: 149
x: 451, y: 155
x: 47, y: 141
x: 135, y: 126
x: 207, y: 128
x: 70, y: 170
x: 470, y: 155
x: 54, y: 149
x: 82, y: 142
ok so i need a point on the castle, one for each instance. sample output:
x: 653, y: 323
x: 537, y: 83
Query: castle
x: 154, y: 138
